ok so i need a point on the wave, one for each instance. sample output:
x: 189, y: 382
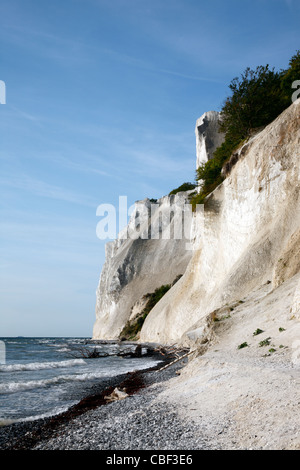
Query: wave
x: 40, y: 365
x: 13, y: 387
x: 52, y: 412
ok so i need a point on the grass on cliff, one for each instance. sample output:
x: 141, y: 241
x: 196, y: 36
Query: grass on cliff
x: 131, y: 329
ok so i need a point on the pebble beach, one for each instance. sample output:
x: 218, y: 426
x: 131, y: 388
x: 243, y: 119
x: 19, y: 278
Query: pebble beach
x: 138, y: 422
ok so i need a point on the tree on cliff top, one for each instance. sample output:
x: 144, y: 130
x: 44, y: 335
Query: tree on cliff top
x: 257, y: 99
x: 291, y: 75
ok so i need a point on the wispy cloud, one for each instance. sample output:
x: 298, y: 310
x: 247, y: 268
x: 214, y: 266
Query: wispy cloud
x: 64, y: 50
x: 192, y: 77
x: 138, y: 148
x: 148, y: 162
x: 152, y: 66
x: 86, y: 167
x: 43, y: 189
x: 16, y: 112
x: 42, y: 230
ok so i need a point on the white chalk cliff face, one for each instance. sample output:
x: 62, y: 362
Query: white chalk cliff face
x: 208, y: 136
x: 249, y: 235
x: 137, y: 266
x: 155, y: 252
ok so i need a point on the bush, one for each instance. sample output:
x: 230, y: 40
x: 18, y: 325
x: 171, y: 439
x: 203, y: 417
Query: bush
x: 131, y: 329
x: 183, y: 187
x: 265, y: 342
x: 289, y: 76
x: 257, y: 332
x: 257, y: 99
x: 209, y: 173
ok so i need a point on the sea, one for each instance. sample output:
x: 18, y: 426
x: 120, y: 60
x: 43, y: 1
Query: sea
x: 42, y: 377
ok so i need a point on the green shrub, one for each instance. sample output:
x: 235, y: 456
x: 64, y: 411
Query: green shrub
x: 131, y: 329
x: 183, y: 187
x: 265, y: 342
x: 257, y: 98
x: 257, y: 332
x: 209, y: 173
x: 289, y: 76
x: 197, y: 198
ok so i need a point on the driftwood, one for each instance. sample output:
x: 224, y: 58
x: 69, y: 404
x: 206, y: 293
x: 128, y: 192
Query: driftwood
x: 173, y: 349
x: 176, y: 360
x: 84, y: 352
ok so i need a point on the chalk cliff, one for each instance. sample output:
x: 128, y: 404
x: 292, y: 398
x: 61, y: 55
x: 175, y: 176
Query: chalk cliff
x: 249, y: 235
x: 208, y: 136
x: 153, y: 250
x: 138, y: 264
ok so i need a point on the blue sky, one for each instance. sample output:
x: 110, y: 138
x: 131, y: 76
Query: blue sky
x: 102, y: 97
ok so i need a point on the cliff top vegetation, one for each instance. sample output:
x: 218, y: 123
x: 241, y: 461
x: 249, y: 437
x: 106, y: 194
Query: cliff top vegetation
x: 257, y: 98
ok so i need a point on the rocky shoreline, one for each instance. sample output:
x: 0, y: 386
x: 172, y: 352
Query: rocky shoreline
x: 225, y: 399
x: 94, y: 424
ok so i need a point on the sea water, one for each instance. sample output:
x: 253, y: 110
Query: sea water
x: 41, y: 377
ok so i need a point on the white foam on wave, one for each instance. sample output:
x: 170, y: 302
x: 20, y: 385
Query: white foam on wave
x: 40, y: 365
x: 14, y: 387
x: 53, y: 412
